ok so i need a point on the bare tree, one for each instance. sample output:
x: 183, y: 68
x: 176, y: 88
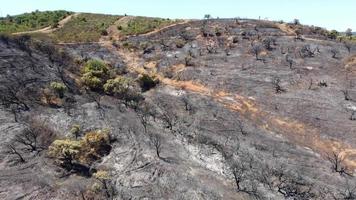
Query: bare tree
x: 13, y: 150
x: 337, y: 163
x: 241, y: 127
x: 306, y: 51
x: 239, y: 171
x: 143, y: 113
x: 28, y: 138
x: 348, y: 46
x: 277, y: 86
x: 335, y: 53
x: 353, y: 115
x: 36, y: 136
x: 187, y: 105
x: 289, y: 60
x: 156, y: 142
x: 268, y: 42
x: 346, y: 94
x: 256, y: 49
x: 349, y: 191
x: 168, y: 117
x: 10, y: 96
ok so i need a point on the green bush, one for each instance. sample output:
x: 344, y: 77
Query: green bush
x: 59, y: 88
x: 95, y: 73
x: 118, y: 86
x: 92, y: 81
x: 333, y: 34
x: 125, y: 89
x: 86, y: 150
x: 96, y: 66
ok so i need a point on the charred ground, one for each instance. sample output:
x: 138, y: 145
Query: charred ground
x: 228, y: 109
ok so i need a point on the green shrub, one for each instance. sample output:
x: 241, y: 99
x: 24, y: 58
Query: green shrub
x: 333, y: 34
x: 96, y: 66
x: 125, y: 89
x: 59, y: 88
x: 118, y: 86
x: 92, y: 81
x: 91, y: 147
x: 95, y: 73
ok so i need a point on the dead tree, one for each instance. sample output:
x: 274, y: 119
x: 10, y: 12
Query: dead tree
x: 337, y: 163
x: 37, y: 136
x: 346, y: 95
x: 256, y: 49
x: 143, y: 113
x: 10, y: 96
x: 243, y: 173
x: 277, y: 86
x: 290, y: 61
x: 335, y: 53
x: 268, y: 42
x: 156, y: 142
x: 353, y: 115
x: 310, y: 84
x: 348, y: 46
x: 241, y: 127
x: 28, y: 138
x: 187, y: 105
x: 306, y: 51
x: 239, y: 172
x: 169, y: 118
x: 349, y: 191
x: 12, y: 150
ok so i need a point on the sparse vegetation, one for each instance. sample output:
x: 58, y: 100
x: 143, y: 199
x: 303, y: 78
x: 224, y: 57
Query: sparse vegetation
x: 84, y: 28
x: 59, y: 88
x: 141, y: 25
x: 31, y: 21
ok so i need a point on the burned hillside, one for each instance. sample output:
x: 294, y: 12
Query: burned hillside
x: 193, y: 109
